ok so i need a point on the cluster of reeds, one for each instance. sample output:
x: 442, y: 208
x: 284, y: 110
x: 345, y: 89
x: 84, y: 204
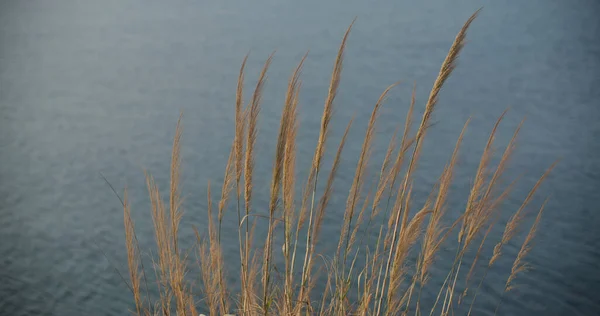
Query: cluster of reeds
x: 379, y: 271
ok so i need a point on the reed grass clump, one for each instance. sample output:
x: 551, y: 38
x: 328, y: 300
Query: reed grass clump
x: 362, y: 276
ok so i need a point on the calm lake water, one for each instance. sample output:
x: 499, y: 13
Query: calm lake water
x: 96, y: 87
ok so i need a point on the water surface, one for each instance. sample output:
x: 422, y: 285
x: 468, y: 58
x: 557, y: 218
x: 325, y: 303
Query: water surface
x: 96, y: 87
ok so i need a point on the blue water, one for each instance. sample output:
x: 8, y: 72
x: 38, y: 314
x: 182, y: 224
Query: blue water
x: 90, y: 88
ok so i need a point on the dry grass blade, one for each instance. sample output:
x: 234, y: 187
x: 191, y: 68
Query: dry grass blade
x: 177, y: 266
x: 174, y: 196
x: 355, y: 189
x: 320, y: 214
x: 163, y: 243
x: 432, y: 240
x: 446, y: 69
x: 405, y: 144
x: 252, y: 133
x: 240, y: 125
x: 511, y: 226
x: 354, y: 196
x: 324, y: 201
x: 328, y: 108
x: 469, y: 226
x: 254, y: 110
x: 319, y: 152
x: 238, y: 144
x: 288, y: 182
x: 228, y: 181
x: 519, y: 265
x: 284, y: 129
x: 133, y: 255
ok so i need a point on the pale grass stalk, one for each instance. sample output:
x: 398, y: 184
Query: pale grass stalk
x: 404, y: 146
x: 288, y: 183
x: 133, y: 255
x: 492, y: 206
x: 177, y: 266
x: 359, y: 220
x: 519, y: 265
x: 472, y: 270
x: 276, y: 181
x: 409, y: 234
x: 445, y: 71
x: 207, y: 260
x: 159, y: 219
x: 485, y: 213
x: 384, y: 178
x: 433, y: 234
x: 323, y: 203
x: 475, y: 214
x: 356, y: 188
x: 327, y: 287
x: 353, y: 235
x: 404, y: 245
x: 228, y: 182
x: 254, y: 109
x: 513, y: 223
x: 359, y: 175
x: 238, y: 144
x: 166, y: 226
x: 319, y: 153
x: 433, y: 240
x: 484, y: 208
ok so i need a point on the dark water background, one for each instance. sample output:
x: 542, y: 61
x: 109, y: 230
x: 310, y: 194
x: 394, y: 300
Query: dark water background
x: 96, y: 87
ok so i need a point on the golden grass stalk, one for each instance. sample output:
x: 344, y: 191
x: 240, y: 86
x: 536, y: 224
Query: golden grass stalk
x: 162, y: 242
x: 475, y: 213
x: 446, y: 69
x: 208, y: 259
x: 240, y: 126
x: 480, y: 206
x: 519, y: 265
x: 353, y: 198
x: 171, y: 266
x: 278, y: 165
x: 392, y: 177
x: 174, y: 196
x: 472, y: 270
x: 433, y: 235
x: 177, y: 269
x: 318, y: 156
x: 323, y: 202
x: 238, y: 144
x: 328, y: 108
x: 288, y: 182
x: 408, y: 237
x: 511, y: 226
x: 133, y: 255
x: 254, y: 109
x: 355, y: 189
x: 228, y: 182
x: 405, y: 144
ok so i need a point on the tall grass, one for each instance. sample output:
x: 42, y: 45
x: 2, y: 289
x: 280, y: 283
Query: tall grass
x: 363, y: 276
